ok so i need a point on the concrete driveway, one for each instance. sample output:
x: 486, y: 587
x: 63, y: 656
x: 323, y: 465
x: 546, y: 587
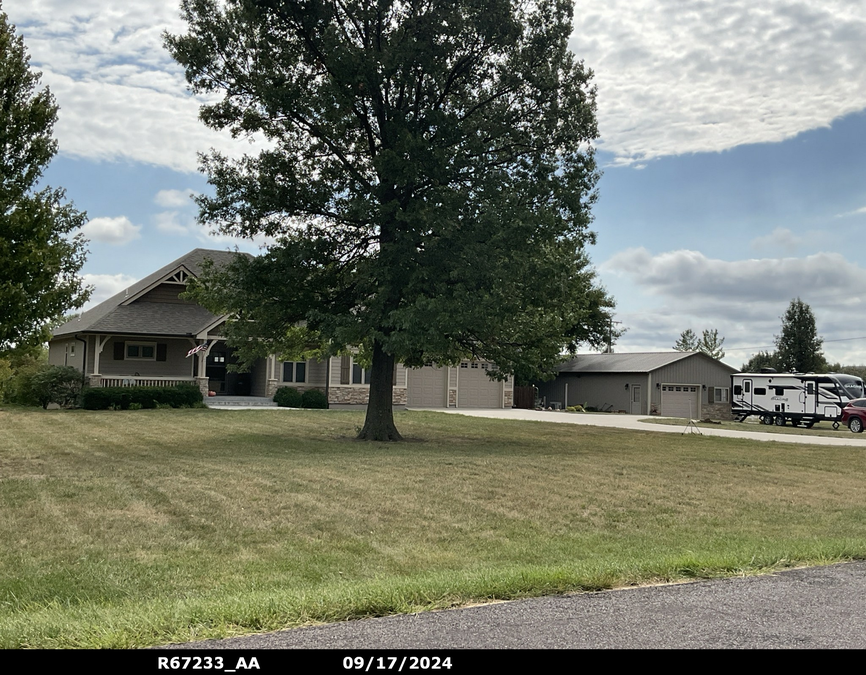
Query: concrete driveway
x: 634, y: 422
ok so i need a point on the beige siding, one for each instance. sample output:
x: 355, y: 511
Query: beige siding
x: 317, y: 373
x: 600, y: 391
x: 68, y: 352
x: 165, y: 293
x: 175, y: 365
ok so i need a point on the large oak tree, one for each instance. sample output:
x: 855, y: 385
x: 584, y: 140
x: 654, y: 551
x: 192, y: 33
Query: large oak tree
x: 428, y: 175
x: 39, y: 255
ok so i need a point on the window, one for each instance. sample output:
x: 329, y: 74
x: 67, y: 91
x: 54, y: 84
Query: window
x: 760, y: 391
x: 295, y: 371
x: 780, y: 391
x: 360, y: 375
x: 720, y: 394
x: 141, y: 351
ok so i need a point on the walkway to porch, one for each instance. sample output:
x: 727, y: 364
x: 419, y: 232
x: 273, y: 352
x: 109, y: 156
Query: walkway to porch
x: 239, y: 402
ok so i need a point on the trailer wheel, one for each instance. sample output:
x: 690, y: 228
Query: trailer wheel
x: 780, y: 420
x: 766, y: 419
x: 809, y: 425
x: 855, y: 424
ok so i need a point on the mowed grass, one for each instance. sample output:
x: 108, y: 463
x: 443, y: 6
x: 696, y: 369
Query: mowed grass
x: 127, y: 529
x: 753, y: 424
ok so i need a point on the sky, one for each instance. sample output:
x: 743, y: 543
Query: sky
x: 732, y: 139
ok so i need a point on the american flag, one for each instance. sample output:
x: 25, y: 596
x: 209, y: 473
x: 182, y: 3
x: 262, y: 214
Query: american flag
x: 196, y: 349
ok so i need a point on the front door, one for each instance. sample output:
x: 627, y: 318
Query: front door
x: 636, y: 408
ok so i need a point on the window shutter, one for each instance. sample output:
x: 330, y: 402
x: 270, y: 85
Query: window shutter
x: 287, y: 371
x: 345, y: 370
x: 710, y: 393
x: 161, y: 352
x: 394, y: 375
x: 119, y: 351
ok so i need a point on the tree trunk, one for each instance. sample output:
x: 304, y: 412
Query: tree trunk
x: 379, y: 425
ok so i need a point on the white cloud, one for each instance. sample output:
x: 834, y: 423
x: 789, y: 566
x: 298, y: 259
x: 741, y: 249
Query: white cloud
x: 174, y: 198
x: 781, y: 239
x: 855, y: 212
x: 743, y: 299
x: 121, y: 95
x: 167, y: 222
x: 111, y: 230
x: 673, y: 76
x: 105, y: 286
x: 682, y: 76
x: 690, y: 275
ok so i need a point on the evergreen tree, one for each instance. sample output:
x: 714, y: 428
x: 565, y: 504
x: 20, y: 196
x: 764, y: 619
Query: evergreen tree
x: 711, y: 344
x: 798, y: 347
x: 760, y: 360
x: 39, y: 260
x: 688, y: 341
x: 429, y: 177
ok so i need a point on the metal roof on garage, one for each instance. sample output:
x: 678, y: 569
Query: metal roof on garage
x: 641, y: 362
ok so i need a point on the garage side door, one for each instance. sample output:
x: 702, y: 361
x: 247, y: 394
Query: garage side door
x: 427, y: 387
x: 676, y: 399
x: 475, y: 389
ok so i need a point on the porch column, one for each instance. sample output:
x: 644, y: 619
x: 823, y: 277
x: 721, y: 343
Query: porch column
x: 271, y: 388
x: 99, y: 344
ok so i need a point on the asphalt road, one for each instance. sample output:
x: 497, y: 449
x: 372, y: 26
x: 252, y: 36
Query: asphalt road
x: 814, y: 608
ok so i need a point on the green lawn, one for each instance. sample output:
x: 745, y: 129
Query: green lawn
x: 752, y: 424
x: 126, y: 529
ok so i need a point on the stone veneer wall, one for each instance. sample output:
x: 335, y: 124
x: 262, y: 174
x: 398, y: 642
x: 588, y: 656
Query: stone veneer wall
x: 509, y: 398
x: 359, y: 395
x: 716, y: 411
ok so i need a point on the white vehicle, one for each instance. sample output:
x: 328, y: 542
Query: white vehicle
x: 801, y: 399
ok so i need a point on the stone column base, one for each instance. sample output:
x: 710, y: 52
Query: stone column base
x: 202, y: 383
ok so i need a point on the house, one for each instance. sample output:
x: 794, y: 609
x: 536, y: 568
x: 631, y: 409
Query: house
x: 143, y: 336
x: 671, y: 384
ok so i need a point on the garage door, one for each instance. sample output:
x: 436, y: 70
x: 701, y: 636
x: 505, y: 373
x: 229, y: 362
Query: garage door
x: 475, y: 389
x: 427, y: 387
x: 681, y: 400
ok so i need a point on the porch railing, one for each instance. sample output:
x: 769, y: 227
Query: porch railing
x: 145, y: 381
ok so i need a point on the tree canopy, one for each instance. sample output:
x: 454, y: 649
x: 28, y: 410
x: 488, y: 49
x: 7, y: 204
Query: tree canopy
x: 709, y: 343
x: 39, y: 260
x: 798, y: 347
x: 428, y: 177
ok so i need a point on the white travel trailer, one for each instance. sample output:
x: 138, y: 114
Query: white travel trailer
x: 779, y: 398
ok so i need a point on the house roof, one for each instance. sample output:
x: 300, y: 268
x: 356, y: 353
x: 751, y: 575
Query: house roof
x: 150, y: 318
x: 642, y: 362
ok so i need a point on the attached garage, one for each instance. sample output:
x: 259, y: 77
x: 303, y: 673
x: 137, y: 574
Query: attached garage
x: 427, y: 387
x: 475, y: 389
x: 680, y: 400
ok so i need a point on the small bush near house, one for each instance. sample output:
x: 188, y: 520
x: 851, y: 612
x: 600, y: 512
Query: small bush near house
x: 56, y: 384
x: 314, y: 398
x: 288, y: 397
x: 136, y: 398
x: 575, y: 408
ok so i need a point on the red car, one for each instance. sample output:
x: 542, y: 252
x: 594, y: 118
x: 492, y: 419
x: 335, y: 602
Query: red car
x: 854, y: 415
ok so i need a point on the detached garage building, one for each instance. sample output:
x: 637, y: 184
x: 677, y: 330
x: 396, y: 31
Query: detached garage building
x: 670, y: 384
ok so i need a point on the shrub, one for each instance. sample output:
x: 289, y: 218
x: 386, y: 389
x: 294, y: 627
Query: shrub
x: 124, y: 398
x: 314, y: 398
x: 288, y: 397
x: 54, y: 384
